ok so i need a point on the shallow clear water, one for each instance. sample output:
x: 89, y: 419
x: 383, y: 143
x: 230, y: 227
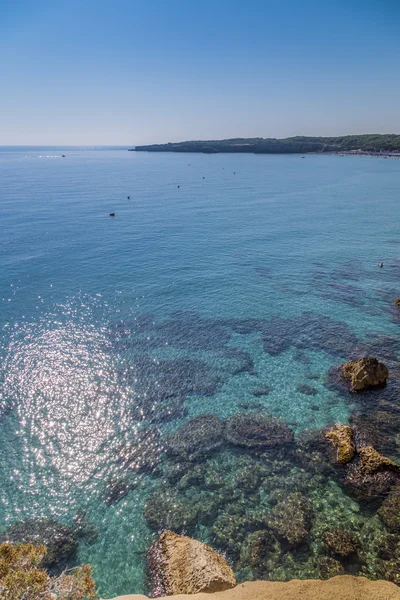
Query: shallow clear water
x: 255, y: 276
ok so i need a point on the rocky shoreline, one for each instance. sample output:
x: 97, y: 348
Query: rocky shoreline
x: 342, y: 587
x: 180, y: 566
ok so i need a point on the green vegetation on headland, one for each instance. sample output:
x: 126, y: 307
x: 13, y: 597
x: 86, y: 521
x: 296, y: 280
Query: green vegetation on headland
x: 299, y: 144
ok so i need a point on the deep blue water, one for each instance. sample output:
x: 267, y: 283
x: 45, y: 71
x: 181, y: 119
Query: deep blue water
x: 218, y: 270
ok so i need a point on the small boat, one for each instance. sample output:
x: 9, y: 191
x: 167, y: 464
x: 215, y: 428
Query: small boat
x: 112, y: 214
x: 62, y: 155
x: 129, y: 197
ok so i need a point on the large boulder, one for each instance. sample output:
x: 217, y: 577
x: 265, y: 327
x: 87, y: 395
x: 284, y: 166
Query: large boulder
x: 365, y: 373
x: 373, y: 462
x: 371, y: 476
x: 181, y: 565
x: 341, y: 436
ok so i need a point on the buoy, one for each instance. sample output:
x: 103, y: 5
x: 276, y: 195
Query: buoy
x: 129, y: 197
x: 179, y: 186
x: 112, y: 214
x: 203, y: 177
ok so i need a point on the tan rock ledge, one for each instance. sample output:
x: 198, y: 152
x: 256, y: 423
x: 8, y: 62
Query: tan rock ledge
x: 343, y: 587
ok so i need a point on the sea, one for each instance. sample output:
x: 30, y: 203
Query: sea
x: 227, y: 284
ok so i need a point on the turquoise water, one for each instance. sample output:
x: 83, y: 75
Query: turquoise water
x: 253, y: 274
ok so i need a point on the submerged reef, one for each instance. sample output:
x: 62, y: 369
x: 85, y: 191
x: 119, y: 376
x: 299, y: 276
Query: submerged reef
x: 279, y: 502
x: 257, y: 431
x: 276, y: 507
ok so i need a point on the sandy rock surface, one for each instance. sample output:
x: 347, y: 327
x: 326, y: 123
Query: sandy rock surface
x: 343, y: 587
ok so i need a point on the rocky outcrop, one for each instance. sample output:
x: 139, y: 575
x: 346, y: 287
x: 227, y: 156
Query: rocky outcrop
x: 344, y: 587
x: 181, y: 565
x: 342, y: 437
x: 365, y: 373
x: 373, y: 462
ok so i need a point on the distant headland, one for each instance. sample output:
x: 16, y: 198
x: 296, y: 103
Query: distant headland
x: 362, y: 144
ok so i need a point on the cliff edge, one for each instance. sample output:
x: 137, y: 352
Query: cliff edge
x: 342, y: 587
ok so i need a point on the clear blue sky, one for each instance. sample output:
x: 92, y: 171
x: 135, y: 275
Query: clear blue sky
x: 138, y: 71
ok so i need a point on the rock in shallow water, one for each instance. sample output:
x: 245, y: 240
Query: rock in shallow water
x: 365, y: 373
x: 342, y: 437
x: 182, y: 565
x: 373, y: 462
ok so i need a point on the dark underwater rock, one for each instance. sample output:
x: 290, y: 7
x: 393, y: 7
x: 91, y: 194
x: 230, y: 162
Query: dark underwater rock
x: 157, y: 380
x: 329, y: 567
x: 290, y: 519
x: 389, y: 511
x: 244, y: 326
x: 368, y: 487
x: 341, y: 543
x: 261, y: 553
x: 161, y: 387
x: 308, y: 390
x: 308, y: 331
x: 251, y: 405
x: 84, y: 529
x: 231, y: 529
x: 165, y: 510
x: 315, y: 453
x: 189, y: 330
x: 261, y: 391
x: 257, y: 431
x: 377, y: 429
x: 242, y: 362
x: 143, y: 453
x: 116, y: 488
x: 60, y: 541
x: 170, y: 409
x: 197, y: 438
